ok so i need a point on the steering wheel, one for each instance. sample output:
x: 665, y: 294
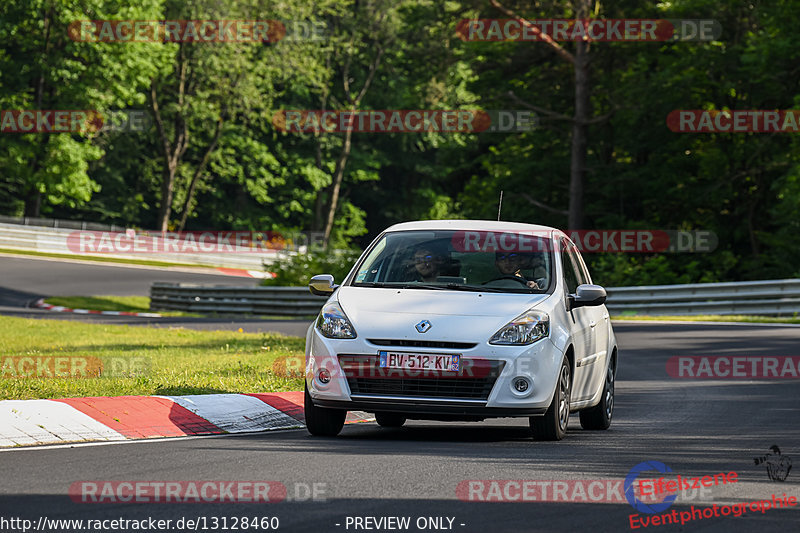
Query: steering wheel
x: 515, y: 278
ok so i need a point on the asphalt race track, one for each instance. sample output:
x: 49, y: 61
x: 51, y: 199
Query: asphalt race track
x: 25, y: 280
x: 697, y: 428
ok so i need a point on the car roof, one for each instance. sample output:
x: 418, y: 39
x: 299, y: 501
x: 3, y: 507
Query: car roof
x: 475, y: 225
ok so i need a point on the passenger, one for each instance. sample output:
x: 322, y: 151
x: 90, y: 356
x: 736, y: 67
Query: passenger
x: 536, y: 263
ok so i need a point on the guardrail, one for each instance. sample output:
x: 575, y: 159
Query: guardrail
x: 54, y: 240
x: 774, y: 297
x: 60, y: 223
x: 224, y: 299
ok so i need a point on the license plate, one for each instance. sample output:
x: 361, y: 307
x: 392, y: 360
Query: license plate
x: 420, y: 361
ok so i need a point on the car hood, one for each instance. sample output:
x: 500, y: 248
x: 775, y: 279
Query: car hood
x: 454, y: 315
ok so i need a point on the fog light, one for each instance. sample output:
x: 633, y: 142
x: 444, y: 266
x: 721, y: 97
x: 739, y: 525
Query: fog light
x: 324, y: 376
x: 521, y: 385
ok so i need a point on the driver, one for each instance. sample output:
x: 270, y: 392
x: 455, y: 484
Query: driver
x: 510, y: 264
x: 428, y: 264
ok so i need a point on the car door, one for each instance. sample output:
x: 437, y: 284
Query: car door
x: 580, y: 321
x: 593, y: 366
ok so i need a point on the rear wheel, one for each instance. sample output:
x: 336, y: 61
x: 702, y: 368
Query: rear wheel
x: 321, y: 421
x: 599, y: 416
x: 390, y: 420
x: 553, y: 425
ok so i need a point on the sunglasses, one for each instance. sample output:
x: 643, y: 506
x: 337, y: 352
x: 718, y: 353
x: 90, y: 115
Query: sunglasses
x: 501, y: 257
x: 424, y: 259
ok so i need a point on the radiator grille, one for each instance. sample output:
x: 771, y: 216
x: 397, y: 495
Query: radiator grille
x: 473, y: 382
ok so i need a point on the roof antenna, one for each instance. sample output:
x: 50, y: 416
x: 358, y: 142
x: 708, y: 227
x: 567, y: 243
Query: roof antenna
x: 500, y: 206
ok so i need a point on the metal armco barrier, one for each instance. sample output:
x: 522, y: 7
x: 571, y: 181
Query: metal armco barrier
x: 774, y: 297
x: 55, y: 240
x: 224, y: 299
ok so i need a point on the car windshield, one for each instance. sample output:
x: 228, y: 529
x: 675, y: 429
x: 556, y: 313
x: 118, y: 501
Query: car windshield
x: 487, y: 261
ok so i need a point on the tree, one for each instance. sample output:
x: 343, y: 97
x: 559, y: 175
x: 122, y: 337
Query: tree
x: 44, y: 68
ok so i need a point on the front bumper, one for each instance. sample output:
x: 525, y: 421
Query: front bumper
x: 435, y: 396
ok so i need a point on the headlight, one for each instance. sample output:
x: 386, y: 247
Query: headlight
x: 333, y: 323
x: 527, y: 328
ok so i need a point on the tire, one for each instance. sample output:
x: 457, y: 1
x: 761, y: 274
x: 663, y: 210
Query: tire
x: 553, y: 425
x: 599, y: 416
x: 390, y: 420
x: 323, y: 422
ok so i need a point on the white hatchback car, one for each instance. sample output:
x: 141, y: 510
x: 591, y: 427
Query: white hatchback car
x: 463, y: 320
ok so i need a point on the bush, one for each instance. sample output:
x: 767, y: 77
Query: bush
x: 625, y: 270
x: 295, y: 270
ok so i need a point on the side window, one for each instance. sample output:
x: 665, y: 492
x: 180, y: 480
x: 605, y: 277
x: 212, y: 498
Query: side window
x: 570, y: 279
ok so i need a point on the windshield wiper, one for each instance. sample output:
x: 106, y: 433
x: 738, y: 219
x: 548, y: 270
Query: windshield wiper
x: 472, y: 288
x: 382, y: 285
x: 421, y: 286
x: 435, y: 287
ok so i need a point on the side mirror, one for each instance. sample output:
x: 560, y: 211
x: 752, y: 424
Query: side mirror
x: 322, y: 285
x: 587, y: 295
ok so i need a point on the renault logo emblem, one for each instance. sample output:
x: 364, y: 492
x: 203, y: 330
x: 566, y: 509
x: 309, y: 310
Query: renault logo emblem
x: 423, y: 326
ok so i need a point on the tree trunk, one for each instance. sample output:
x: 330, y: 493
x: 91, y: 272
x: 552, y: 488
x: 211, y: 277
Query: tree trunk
x: 172, y: 151
x: 337, y: 185
x: 187, y: 204
x: 167, y: 191
x: 579, y: 137
x: 33, y: 199
x: 33, y: 203
x: 319, y: 201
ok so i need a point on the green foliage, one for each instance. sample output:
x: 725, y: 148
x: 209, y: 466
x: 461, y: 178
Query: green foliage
x: 41, y: 67
x: 640, y: 175
x: 622, y: 270
x: 298, y: 268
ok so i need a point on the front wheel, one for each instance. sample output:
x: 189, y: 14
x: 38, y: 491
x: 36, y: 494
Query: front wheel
x: 321, y: 421
x: 599, y: 416
x: 553, y: 425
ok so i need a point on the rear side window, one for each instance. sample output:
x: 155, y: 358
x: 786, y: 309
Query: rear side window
x: 581, y: 265
x: 570, y: 275
x: 577, y: 265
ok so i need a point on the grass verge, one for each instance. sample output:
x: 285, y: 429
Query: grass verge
x: 130, y: 304
x: 715, y: 318
x: 141, y: 304
x: 140, y: 360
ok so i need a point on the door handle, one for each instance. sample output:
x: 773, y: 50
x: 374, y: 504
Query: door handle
x: 592, y: 324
